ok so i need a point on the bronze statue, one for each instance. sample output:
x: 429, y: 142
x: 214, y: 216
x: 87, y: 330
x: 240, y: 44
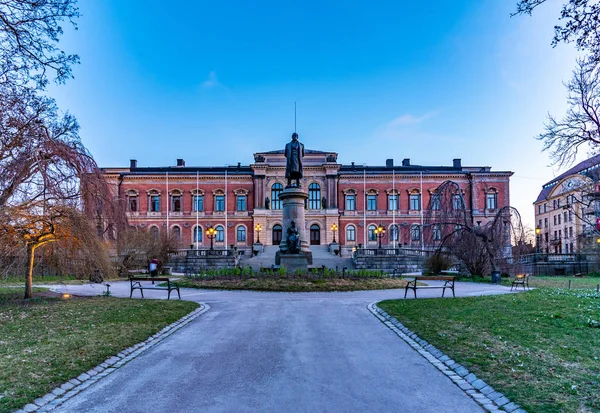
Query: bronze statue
x: 293, y: 239
x: 294, y: 152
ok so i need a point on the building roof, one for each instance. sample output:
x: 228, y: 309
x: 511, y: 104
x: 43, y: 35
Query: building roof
x: 584, y: 168
x: 306, y: 151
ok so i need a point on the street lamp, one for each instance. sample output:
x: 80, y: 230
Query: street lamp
x: 211, y: 233
x: 257, y: 228
x: 334, y: 229
x: 538, y: 231
x: 380, y: 232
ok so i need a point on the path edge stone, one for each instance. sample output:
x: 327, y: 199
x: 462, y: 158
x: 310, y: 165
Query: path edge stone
x: 468, y: 382
x: 71, y: 388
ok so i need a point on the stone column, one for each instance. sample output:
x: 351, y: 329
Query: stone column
x: 293, y: 210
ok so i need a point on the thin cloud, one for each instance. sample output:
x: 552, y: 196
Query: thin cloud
x: 212, y: 81
x: 396, y: 128
x: 409, y: 119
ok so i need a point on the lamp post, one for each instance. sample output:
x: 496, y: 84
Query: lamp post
x: 257, y: 228
x: 380, y: 232
x: 334, y: 229
x: 211, y: 233
x: 538, y: 231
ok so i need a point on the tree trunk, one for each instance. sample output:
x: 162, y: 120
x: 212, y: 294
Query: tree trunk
x: 29, y: 279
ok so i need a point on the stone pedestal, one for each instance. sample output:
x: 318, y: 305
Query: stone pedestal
x: 293, y: 200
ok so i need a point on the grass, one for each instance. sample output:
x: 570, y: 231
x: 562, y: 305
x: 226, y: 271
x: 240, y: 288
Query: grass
x: 544, y: 281
x: 46, y: 341
x: 540, y: 348
x: 295, y: 284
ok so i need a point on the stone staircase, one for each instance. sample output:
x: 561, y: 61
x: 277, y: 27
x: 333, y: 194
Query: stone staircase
x: 320, y: 254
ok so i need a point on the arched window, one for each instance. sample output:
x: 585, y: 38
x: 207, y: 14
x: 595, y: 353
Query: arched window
x: 275, y: 191
x: 241, y: 234
x: 154, y: 232
x: 176, y: 231
x: 277, y: 233
x: 458, y: 202
x: 372, y: 235
x: 415, y: 232
x: 350, y: 233
x: 437, y: 232
x: 197, y: 234
x: 314, y: 196
x: 394, y: 232
x: 220, y: 233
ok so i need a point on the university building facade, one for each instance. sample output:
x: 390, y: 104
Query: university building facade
x: 346, y: 202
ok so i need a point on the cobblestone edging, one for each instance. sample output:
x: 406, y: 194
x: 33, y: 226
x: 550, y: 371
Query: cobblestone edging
x: 74, y: 386
x: 477, y: 389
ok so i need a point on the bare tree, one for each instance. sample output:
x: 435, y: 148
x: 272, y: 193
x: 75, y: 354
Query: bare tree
x: 29, y: 33
x: 580, y: 127
x: 580, y: 24
x: 481, y: 246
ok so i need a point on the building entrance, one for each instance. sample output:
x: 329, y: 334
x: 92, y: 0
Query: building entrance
x: 277, y: 234
x: 315, y: 235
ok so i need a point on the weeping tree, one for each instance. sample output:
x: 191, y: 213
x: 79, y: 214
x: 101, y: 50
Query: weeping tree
x: 47, y: 177
x: 482, y: 246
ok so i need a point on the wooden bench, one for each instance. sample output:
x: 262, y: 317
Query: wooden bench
x: 136, y: 284
x: 448, y: 283
x: 520, y: 279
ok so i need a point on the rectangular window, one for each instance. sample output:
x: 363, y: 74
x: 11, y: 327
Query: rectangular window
x: 392, y: 202
x: 220, y: 203
x: 241, y: 203
x: 558, y: 203
x: 415, y: 202
x: 570, y: 216
x: 554, y: 217
x: 350, y: 202
x: 133, y: 207
x: 539, y: 208
x: 457, y: 202
x: 176, y: 203
x: 545, y: 222
x: 155, y: 203
x: 555, y: 235
x: 435, y: 202
x: 558, y: 219
x: 545, y: 207
x: 571, y: 232
x: 546, y: 236
x: 571, y: 247
x: 198, y: 203
x: 371, y: 202
x: 554, y: 204
x: 565, y: 215
x: 559, y: 233
x: 491, y: 201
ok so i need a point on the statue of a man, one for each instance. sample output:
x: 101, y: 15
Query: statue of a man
x: 293, y: 239
x: 294, y: 152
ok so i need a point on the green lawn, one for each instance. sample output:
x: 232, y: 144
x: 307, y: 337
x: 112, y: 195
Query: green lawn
x: 47, y: 279
x: 540, y: 348
x: 544, y: 281
x: 295, y: 284
x: 46, y: 341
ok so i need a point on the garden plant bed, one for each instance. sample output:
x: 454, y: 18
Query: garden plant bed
x: 295, y: 284
x: 539, y: 348
x: 46, y: 341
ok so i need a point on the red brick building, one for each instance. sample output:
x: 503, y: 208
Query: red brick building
x: 356, y: 198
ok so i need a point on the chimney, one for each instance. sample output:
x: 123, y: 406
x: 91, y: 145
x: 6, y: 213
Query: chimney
x: 132, y: 163
x: 239, y: 165
x: 406, y: 162
x: 352, y: 165
x: 456, y: 163
x: 180, y: 163
x: 389, y: 163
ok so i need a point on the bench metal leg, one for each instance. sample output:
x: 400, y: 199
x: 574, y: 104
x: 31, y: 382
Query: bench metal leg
x: 405, y: 291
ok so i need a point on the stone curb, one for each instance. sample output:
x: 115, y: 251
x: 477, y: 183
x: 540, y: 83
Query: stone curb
x: 74, y: 386
x: 470, y: 384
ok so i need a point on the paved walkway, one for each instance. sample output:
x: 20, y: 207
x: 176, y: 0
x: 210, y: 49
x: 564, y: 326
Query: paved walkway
x: 273, y: 352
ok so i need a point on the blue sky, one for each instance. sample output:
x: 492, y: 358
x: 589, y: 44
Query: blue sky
x: 214, y: 82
